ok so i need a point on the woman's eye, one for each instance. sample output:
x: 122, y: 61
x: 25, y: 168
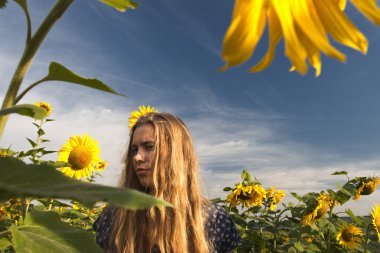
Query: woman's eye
x: 134, y: 150
x: 150, y: 147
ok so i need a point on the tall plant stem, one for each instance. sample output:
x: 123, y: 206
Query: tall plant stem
x: 29, y: 52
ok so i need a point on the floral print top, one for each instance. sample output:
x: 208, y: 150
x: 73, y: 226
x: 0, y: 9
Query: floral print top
x: 220, y: 228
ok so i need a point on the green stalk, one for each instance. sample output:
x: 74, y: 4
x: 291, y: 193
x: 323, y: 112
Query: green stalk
x: 29, y: 52
x: 368, y: 229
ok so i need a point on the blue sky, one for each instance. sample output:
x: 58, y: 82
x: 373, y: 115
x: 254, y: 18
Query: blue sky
x: 290, y: 131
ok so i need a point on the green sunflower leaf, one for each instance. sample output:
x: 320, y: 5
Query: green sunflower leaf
x: 29, y: 110
x: 45, y: 232
x: 18, y: 179
x: 3, y: 3
x: 121, y: 5
x: 58, y: 72
x: 4, y: 243
x: 359, y: 221
x: 340, y: 173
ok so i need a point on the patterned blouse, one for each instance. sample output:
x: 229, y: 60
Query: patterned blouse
x: 220, y: 229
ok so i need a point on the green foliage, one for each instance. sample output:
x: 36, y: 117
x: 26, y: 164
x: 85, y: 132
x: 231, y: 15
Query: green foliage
x: 285, y: 230
x: 18, y: 179
x: 33, y: 111
x: 45, y: 232
x: 58, y: 72
x: 3, y: 3
x: 121, y: 5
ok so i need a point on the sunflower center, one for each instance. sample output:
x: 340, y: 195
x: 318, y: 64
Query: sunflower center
x: 347, y: 236
x: 80, y: 157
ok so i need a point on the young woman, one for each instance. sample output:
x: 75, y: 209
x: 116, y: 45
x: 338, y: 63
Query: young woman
x: 161, y: 161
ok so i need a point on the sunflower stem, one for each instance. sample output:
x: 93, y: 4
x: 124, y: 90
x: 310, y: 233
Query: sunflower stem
x: 368, y: 229
x: 29, y: 52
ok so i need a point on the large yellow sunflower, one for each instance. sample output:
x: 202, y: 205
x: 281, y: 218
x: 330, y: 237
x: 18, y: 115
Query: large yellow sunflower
x: 46, y: 106
x: 82, y: 153
x: 135, y: 115
x: 376, y: 220
x: 366, y: 186
x: 305, y: 25
x: 349, y: 236
x: 318, y: 209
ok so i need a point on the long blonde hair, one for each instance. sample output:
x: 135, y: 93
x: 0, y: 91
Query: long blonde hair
x: 175, y: 179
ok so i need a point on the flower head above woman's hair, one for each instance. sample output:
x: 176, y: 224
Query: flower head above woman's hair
x: 376, y: 220
x: 366, y: 186
x: 305, y: 25
x: 45, y: 106
x: 82, y: 153
x: 135, y: 115
x: 349, y: 236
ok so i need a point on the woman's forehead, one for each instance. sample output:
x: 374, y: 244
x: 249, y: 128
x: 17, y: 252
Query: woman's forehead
x: 143, y: 133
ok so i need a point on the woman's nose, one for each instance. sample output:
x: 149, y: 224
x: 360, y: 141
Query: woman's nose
x: 139, y: 157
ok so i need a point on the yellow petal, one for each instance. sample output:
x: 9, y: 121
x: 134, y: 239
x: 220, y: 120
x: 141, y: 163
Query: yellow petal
x: 339, y: 26
x: 275, y: 35
x: 369, y: 9
x: 313, y: 53
x: 342, y: 4
x: 244, y: 32
x: 293, y: 48
x: 308, y: 21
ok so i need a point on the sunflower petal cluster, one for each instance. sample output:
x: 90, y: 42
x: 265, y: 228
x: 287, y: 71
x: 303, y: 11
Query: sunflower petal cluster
x: 318, y: 209
x: 305, y: 25
x: 45, y: 106
x: 248, y: 195
x: 366, y: 186
x: 82, y: 153
x: 349, y: 236
x: 376, y: 220
x: 275, y: 197
x: 135, y: 115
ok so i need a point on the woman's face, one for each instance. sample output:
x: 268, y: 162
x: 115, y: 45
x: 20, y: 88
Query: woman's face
x: 142, y: 150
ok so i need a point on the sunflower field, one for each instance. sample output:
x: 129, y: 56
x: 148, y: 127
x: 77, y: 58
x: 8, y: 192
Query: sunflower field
x: 50, y: 205
x: 308, y: 225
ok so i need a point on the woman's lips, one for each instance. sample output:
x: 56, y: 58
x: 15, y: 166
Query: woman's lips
x: 142, y: 171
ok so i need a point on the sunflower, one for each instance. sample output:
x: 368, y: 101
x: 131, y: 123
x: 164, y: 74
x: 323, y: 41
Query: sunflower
x: 276, y: 196
x: 349, y: 236
x: 318, y: 209
x: 366, y: 186
x: 102, y: 165
x: 82, y: 153
x: 135, y: 115
x: 3, y: 213
x: 376, y: 220
x: 45, y: 106
x: 305, y: 25
x: 247, y: 195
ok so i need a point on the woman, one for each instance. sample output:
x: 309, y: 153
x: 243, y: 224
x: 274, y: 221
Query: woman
x: 161, y: 161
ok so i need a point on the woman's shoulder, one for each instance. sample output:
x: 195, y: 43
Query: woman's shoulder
x: 220, y: 228
x: 102, y: 226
